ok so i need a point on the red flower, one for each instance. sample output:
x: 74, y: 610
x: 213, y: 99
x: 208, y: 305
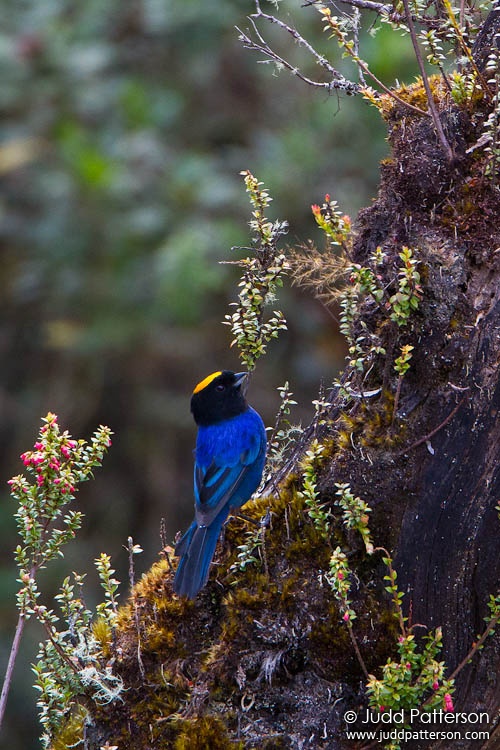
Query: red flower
x: 448, y: 703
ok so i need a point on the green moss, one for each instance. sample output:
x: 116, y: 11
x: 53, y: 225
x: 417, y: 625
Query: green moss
x: 415, y: 95
x: 71, y: 732
x: 330, y: 643
x: 101, y: 630
x: 371, y: 426
x: 192, y: 648
x: 205, y: 733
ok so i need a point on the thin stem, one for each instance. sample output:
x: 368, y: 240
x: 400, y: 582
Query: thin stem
x: 358, y: 652
x: 475, y: 648
x: 356, y: 16
x: 431, y: 434
x: 388, y: 91
x: 363, y: 4
x: 395, y: 600
x: 131, y: 578
x: 131, y: 571
x: 396, y: 398
x: 298, y: 37
x: 14, y: 650
x: 462, y: 13
x: 64, y: 656
x: 432, y: 106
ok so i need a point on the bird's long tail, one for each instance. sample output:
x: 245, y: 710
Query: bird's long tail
x: 196, y: 550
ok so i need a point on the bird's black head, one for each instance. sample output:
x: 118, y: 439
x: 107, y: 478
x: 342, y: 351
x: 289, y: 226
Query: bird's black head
x: 219, y: 396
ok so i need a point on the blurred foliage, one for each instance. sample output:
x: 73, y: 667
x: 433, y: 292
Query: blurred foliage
x: 125, y: 125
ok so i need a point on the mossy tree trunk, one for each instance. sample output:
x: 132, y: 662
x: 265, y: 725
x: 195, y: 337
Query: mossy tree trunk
x: 261, y: 659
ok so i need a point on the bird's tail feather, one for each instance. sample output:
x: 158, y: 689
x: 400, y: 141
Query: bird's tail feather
x: 197, y: 548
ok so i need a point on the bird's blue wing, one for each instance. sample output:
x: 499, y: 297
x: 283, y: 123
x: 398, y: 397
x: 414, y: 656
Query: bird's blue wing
x: 216, y: 486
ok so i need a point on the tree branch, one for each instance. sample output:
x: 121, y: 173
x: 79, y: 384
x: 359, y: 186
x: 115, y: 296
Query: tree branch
x: 338, y: 81
x: 432, y: 106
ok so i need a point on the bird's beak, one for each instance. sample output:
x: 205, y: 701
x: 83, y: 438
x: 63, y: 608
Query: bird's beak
x: 241, y: 381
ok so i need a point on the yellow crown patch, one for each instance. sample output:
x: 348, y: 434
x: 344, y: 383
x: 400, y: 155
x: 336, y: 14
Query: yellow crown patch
x: 203, y: 384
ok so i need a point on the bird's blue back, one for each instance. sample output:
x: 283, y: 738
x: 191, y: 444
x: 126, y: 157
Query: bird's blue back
x: 229, y: 460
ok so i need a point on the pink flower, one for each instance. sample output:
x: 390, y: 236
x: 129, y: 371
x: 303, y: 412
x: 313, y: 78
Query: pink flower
x: 316, y: 209
x: 54, y: 464
x: 435, y: 685
x: 327, y: 197
x: 381, y: 709
x: 65, y: 451
x: 346, y: 617
x: 40, y: 480
x: 340, y: 575
x: 448, y: 703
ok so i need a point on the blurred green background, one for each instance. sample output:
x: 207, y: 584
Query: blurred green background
x: 124, y: 127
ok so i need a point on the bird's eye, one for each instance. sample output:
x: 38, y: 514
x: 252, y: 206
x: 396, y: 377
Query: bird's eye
x: 220, y: 387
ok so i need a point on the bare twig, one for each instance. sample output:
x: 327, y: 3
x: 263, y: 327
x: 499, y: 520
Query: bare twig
x: 433, y: 432
x: 396, y: 398
x: 62, y: 653
x: 356, y: 19
x: 432, y: 106
x: 131, y: 578
x: 337, y: 80
x: 16, y: 642
x: 475, y: 648
x: 131, y: 567
x: 354, y: 642
x: 362, y: 4
x: 11, y: 663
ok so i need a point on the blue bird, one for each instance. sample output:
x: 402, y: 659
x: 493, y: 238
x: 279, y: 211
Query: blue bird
x: 229, y: 460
